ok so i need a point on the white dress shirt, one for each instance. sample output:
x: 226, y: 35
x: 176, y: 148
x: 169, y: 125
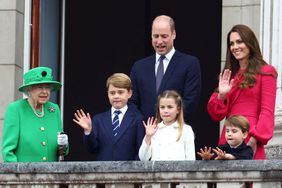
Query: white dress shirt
x: 165, y: 147
x: 166, y: 60
x: 120, y: 116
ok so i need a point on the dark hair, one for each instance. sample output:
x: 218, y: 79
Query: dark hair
x: 255, y: 59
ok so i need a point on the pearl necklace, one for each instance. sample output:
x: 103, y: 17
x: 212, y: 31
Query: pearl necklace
x: 37, y: 113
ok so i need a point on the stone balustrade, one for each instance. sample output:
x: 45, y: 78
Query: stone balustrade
x: 133, y: 174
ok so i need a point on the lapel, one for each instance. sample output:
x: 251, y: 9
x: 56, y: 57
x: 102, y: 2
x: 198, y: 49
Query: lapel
x: 168, y: 73
x: 125, y: 124
x: 107, y: 122
x: 148, y: 74
x: 150, y: 68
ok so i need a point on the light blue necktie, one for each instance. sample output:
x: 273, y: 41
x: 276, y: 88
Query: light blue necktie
x: 160, y: 73
x: 116, y: 122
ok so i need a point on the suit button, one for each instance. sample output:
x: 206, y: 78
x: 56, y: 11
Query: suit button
x: 42, y: 128
x: 44, y: 143
x: 44, y: 158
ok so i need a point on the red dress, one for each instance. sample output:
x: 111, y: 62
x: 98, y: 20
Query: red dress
x: 256, y: 103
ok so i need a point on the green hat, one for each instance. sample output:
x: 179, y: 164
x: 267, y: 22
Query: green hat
x: 39, y: 75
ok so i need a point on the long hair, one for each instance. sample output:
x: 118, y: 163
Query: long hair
x: 255, y: 59
x: 179, y: 103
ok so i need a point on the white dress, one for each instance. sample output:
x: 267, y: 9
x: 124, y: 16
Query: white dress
x: 165, y: 147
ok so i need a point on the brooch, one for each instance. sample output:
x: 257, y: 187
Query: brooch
x: 51, y: 109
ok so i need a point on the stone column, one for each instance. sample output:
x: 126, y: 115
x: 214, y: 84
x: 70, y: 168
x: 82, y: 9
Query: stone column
x: 11, y: 54
x: 271, y: 43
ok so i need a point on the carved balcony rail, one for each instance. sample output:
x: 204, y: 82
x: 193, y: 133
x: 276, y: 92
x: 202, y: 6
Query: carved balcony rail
x: 135, y: 174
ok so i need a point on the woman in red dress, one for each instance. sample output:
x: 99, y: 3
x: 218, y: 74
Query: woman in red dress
x: 247, y: 86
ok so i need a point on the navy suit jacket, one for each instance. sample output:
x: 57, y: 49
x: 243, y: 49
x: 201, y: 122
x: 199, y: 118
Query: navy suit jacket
x: 183, y: 75
x: 125, y: 145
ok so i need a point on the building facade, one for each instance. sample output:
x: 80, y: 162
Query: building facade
x: 263, y: 16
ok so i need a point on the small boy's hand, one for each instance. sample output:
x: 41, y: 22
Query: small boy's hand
x: 206, y: 153
x: 83, y: 120
x: 220, y: 154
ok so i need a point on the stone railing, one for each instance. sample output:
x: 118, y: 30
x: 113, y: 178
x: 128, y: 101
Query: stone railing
x: 196, y: 174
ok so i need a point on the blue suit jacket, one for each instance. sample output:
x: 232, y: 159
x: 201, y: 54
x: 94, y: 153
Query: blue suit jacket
x: 183, y: 74
x: 125, y: 145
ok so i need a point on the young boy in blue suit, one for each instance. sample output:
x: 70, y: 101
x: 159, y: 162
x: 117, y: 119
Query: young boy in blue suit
x: 114, y: 135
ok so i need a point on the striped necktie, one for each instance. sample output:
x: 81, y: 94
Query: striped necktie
x: 116, y: 124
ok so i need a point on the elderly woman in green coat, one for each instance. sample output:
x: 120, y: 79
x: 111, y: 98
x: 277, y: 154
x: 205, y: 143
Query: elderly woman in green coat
x: 32, y: 126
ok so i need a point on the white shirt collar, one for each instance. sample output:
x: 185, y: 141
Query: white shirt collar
x: 168, y: 56
x: 123, y: 110
x: 175, y: 124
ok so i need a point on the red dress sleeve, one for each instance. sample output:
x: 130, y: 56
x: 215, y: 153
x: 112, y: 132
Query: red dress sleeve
x: 217, y: 108
x: 263, y: 130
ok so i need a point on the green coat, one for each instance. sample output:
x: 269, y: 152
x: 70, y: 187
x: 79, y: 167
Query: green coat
x: 28, y: 138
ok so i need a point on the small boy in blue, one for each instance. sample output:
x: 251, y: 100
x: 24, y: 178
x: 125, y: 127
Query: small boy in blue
x: 117, y: 134
x: 237, y: 128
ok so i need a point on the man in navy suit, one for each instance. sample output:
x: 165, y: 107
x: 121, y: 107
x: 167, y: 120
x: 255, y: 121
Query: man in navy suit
x: 181, y: 72
x: 117, y: 134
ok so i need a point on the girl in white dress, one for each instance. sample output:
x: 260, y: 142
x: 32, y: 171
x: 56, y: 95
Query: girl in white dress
x: 167, y: 136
